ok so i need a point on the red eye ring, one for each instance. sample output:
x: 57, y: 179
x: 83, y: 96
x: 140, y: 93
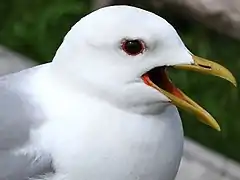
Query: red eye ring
x: 133, y: 47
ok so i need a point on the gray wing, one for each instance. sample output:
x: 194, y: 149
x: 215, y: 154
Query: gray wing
x: 16, y: 121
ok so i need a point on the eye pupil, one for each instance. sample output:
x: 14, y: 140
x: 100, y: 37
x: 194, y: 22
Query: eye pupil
x: 133, y: 47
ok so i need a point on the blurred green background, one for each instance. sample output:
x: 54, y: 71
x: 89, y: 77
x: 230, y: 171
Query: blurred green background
x: 36, y: 28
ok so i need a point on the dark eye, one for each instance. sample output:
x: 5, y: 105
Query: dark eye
x: 133, y: 47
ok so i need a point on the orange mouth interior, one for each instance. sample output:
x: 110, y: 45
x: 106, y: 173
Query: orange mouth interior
x: 159, y: 77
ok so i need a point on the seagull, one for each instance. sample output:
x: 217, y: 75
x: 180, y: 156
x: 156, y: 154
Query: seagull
x: 104, y: 107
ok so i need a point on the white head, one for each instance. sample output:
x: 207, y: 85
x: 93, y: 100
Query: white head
x: 94, y: 54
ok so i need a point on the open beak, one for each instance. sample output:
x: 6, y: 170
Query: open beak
x: 158, y: 79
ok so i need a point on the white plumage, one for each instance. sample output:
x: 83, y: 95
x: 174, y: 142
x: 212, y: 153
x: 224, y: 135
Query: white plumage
x: 103, y: 121
x: 93, y: 116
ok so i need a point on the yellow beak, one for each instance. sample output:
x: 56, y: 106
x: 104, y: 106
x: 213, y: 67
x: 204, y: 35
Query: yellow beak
x: 182, y: 101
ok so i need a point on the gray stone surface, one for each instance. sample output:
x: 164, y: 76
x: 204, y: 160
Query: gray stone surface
x: 220, y: 15
x: 198, y: 162
x: 12, y: 62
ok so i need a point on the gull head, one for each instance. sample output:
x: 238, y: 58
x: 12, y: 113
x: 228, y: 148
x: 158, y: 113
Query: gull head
x: 121, y: 54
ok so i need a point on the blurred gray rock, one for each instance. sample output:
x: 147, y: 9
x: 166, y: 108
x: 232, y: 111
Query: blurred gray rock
x: 100, y: 3
x: 200, y: 163
x: 220, y: 15
x: 13, y: 62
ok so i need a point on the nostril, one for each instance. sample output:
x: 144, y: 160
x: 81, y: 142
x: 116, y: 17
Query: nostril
x: 205, y: 66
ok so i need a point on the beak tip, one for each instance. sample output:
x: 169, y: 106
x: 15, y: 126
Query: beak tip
x: 216, y: 126
x: 233, y: 80
x: 218, y: 129
x: 235, y: 83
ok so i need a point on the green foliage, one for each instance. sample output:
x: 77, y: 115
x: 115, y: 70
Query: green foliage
x: 36, y: 28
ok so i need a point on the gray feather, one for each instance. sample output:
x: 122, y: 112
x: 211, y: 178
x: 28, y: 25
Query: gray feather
x: 17, y: 118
